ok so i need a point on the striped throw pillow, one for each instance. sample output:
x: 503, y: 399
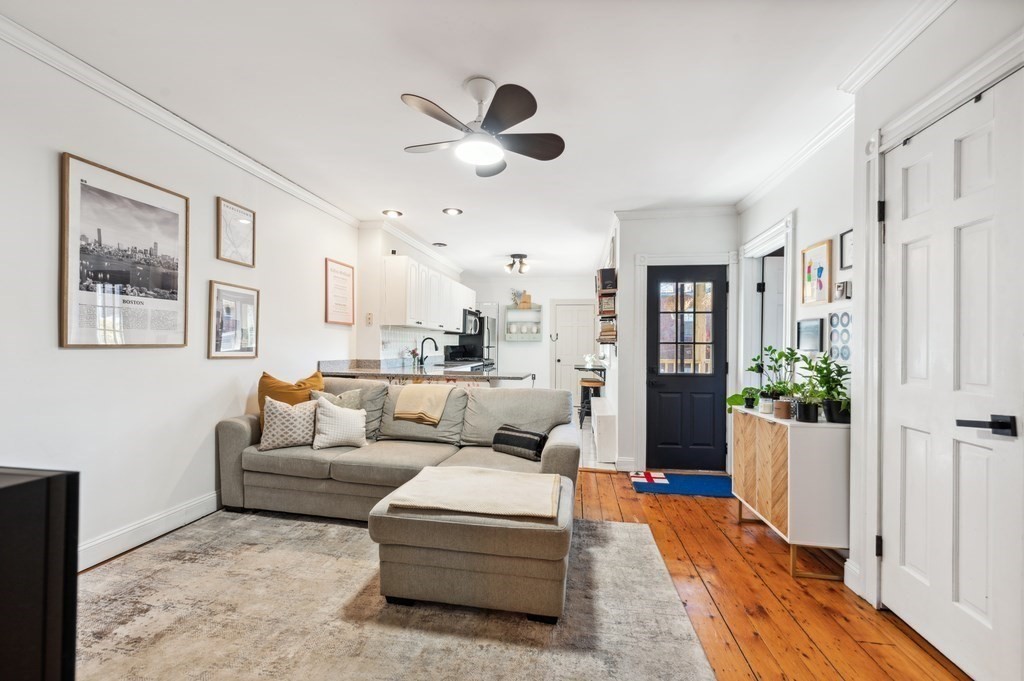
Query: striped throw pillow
x: 518, y: 442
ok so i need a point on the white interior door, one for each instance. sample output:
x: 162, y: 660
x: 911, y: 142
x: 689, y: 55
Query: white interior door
x: 576, y: 327
x: 952, y: 516
x: 774, y: 301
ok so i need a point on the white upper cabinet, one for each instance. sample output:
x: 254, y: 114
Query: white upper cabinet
x: 415, y: 295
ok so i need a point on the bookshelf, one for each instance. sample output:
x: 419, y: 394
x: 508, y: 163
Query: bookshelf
x: 607, y: 306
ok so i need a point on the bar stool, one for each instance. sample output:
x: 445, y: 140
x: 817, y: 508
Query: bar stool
x: 589, y: 389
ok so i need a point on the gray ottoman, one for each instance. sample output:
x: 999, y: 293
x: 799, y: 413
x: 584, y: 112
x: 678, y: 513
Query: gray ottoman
x: 516, y: 564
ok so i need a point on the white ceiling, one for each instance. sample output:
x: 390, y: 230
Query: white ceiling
x: 662, y: 103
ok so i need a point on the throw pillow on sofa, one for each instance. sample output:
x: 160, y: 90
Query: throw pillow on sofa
x: 518, y: 442
x: 283, y: 391
x: 350, y: 399
x: 287, y: 425
x: 338, y: 426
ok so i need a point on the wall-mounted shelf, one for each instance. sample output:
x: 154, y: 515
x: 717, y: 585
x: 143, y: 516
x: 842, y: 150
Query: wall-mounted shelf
x: 524, y: 324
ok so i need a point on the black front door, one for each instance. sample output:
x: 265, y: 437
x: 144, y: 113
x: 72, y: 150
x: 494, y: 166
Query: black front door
x: 686, y: 353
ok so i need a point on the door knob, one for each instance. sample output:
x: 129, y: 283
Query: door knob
x: 655, y: 384
x: 999, y: 425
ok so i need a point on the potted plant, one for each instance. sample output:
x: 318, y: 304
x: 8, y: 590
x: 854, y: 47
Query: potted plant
x: 831, y: 378
x: 782, y: 404
x: 779, y: 367
x: 746, y: 397
x: 808, y: 399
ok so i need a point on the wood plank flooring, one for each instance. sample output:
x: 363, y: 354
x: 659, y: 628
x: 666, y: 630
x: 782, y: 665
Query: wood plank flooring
x: 753, y: 619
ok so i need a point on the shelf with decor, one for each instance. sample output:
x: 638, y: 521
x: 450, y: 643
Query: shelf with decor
x: 524, y: 320
x: 606, y: 283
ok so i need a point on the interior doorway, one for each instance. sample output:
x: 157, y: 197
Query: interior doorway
x: 574, y: 335
x: 766, y: 295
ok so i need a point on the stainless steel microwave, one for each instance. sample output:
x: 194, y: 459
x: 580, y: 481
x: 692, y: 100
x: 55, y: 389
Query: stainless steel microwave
x: 470, y: 322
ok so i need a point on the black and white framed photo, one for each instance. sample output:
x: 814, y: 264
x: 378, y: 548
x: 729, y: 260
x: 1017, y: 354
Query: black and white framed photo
x: 124, y: 260
x: 234, y: 321
x: 236, y: 233
x: 810, y: 334
x: 846, y: 250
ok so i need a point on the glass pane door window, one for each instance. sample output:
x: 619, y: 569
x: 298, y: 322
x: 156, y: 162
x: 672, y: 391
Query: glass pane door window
x: 685, y: 336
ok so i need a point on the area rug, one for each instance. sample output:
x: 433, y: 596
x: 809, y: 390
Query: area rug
x: 270, y: 596
x: 687, y: 485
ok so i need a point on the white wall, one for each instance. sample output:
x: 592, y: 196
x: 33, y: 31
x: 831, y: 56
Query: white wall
x: 691, y: 232
x: 820, y: 194
x: 962, y: 35
x: 139, y: 423
x: 534, y: 357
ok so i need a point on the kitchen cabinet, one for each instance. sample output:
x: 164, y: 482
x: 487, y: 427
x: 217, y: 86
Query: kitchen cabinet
x: 418, y: 296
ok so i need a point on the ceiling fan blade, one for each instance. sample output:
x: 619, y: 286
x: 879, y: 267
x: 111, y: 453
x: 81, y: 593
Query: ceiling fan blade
x: 542, y: 146
x: 491, y: 170
x: 433, y: 146
x: 425, y: 106
x: 511, y: 104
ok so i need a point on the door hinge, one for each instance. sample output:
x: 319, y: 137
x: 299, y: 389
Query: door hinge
x: 726, y: 367
x: 727, y: 287
x: 760, y: 287
x: 878, y: 545
x: 881, y: 211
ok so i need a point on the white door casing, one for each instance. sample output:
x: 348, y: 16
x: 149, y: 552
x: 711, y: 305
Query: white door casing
x: 953, y: 336
x: 575, y: 326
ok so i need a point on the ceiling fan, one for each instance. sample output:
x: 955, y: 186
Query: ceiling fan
x: 485, y: 142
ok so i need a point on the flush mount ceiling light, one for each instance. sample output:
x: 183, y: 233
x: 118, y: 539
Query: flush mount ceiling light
x: 452, y: 211
x: 392, y: 213
x: 520, y: 259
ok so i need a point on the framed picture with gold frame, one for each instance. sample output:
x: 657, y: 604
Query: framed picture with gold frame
x: 124, y: 260
x: 234, y: 321
x: 816, y: 273
x: 339, y: 292
x: 236, y: 233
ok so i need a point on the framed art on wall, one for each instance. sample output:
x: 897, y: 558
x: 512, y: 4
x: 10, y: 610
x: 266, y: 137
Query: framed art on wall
x: 340, y: 294
x: 236, y: 233
x: 846, y: 250
x: 816, y: 273
x: 124, y: 260
x: 234, y: 321
x: 810, y: 334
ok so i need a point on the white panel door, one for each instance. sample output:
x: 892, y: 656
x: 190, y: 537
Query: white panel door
x: 576, y: 326
x: 952, y: 516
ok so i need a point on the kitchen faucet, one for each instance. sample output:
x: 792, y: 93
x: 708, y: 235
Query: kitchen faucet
x: 423, y: 356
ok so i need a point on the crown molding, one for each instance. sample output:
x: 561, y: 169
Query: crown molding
x: 413, y: 242
x: 671, y: 213
x: 830, y: 132
x: 998, y: 63
x: 36, y: 46
x: 895, y: 41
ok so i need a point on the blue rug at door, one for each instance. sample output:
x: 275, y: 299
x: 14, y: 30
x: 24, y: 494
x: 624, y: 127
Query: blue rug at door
x: 687, y: 485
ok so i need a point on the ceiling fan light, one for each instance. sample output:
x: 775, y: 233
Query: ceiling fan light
x: 479, y: 149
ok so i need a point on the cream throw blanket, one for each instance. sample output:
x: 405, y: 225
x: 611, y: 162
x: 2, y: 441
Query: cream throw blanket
x: 485, y: 491
x: 422, y: 403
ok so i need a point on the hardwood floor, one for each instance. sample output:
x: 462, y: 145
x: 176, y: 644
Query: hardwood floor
x: 753, y: 619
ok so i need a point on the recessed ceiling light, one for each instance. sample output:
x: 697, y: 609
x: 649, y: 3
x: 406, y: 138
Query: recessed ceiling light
x: 439, y: 244
x: 452, y: 211
x: 392, y: 213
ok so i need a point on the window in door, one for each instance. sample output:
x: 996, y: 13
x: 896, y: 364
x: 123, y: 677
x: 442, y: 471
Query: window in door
x: 686, y: 340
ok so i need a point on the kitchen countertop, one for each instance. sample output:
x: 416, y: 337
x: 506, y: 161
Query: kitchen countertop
x: 372, y: 368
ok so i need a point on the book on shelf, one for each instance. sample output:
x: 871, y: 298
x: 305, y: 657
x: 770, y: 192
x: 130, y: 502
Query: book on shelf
x: 606, y: 304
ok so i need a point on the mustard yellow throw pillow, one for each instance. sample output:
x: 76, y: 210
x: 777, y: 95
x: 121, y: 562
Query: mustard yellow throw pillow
x: 283, y: 391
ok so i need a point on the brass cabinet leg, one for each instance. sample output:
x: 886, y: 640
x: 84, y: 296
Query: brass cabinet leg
x: 794, y: 551
x: 739, y: 513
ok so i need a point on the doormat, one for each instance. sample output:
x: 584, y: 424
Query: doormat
x: 687, y: 485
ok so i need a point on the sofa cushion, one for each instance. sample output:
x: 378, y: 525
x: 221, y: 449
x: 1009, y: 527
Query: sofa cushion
x: 283, y: 391
x: 449, y: 430
x: 542, y: 538
x: 485, y: 457
x: 535, y: 409
x: 337, y: 426
x: 302, y: 462
x: 287, y: 425
x: 372, y: 395
x: 388, y: 462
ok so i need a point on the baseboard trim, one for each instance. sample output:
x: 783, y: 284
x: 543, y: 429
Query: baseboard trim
x: 128, y: 537
x: 627, y: 465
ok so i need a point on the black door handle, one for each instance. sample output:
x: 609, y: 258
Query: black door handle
x: 655, y: 384
x: 999, y: 425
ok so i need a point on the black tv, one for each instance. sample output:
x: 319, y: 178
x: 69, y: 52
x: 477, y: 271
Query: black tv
x: 38, y: 573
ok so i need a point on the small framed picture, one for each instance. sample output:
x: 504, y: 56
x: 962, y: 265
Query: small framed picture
x: 846, y: 250
x: 810, y: 334
x: 234, y: 321
x: 816, y: 273
x: 340, y: 293
x: 236, y: 233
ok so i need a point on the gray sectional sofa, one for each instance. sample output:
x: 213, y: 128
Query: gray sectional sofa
x: 346, y: 482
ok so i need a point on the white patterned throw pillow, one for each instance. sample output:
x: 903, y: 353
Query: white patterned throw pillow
x: 338, y: 427
x: 285, y: 425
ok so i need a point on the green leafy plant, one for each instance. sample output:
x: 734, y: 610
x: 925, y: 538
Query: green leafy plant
x: 739, y: 398
x: 778, y: 366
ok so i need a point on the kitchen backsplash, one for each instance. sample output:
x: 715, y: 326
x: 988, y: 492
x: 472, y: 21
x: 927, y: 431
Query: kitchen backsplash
x: 397, y: 341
